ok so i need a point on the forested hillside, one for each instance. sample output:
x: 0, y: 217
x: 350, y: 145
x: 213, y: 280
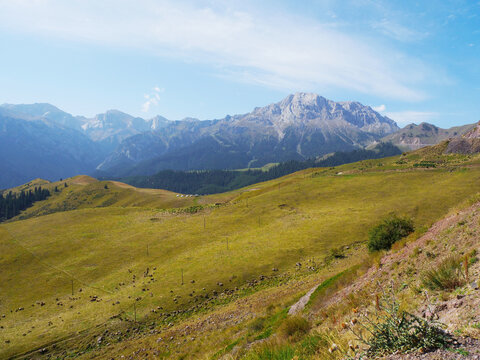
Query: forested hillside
x: 11, y: 204
x: 216, y: 181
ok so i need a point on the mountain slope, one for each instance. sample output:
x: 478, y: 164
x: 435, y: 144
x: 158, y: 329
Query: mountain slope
x: 300, y: 126
x: 413, y: 137
x: 40, y: 140
x: 469, y: 143
x: 41, y: 148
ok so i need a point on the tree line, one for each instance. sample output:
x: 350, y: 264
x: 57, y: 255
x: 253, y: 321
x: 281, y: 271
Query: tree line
x: 217, y: 181
x: 12, y: 203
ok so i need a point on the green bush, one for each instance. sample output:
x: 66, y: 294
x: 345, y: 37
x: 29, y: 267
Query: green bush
x: 390, y: 230
x: 294, y: 327
x: 446, y: 276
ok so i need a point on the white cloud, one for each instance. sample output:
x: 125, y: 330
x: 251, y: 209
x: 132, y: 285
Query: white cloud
x: 269, y: 48
x: 407, y: 117
x: 152, y: 99
x: 380, y: 108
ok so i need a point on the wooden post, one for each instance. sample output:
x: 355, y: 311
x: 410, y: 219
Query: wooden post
x: 204, y: 223
x: 227, y: 243
x: 72, y: 287
x: 182, y: 276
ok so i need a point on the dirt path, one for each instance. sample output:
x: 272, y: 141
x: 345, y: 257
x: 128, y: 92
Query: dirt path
x: 300, y: 304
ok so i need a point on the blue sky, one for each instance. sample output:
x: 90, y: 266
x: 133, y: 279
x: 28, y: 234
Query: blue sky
x: 412, y: 60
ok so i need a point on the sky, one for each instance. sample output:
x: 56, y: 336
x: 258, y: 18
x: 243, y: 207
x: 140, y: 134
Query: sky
x: 413, y: 61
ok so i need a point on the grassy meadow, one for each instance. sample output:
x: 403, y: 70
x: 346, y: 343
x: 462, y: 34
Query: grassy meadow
x: 103, y: 239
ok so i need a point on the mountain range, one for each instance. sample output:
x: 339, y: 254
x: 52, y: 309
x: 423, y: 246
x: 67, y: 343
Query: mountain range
x: 40, y: 140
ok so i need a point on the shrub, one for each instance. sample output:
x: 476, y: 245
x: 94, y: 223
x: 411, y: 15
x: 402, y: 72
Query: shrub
x: 390, y: 230
x: 446, y: 276
x: 337, y: 253
x: 294, y: 327
x: 395, y: 331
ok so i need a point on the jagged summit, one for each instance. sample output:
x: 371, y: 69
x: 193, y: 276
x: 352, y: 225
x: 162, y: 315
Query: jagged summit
x: 313, y: 110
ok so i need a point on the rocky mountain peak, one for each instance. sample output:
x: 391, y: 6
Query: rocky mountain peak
x: 314, y: 111
x: 304, y: 100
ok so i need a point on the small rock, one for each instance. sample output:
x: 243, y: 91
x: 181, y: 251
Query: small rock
x: 441, y: 307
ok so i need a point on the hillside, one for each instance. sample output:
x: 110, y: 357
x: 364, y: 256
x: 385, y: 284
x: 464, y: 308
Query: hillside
x: 469, y: 143
x: 217, y: 181
x: 413, y: 137
x: 340, y: 303
x: 165, y: 259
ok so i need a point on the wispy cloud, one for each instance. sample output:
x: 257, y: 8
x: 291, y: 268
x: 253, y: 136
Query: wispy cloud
x: 152, y: 99
x: 380, y: 108
x: 244, y: 44
x: 398, y: 31
x: 407, y: 117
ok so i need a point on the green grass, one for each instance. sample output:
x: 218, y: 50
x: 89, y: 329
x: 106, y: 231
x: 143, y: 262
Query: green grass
x: 445, y: 276
x: 102, y: 240
x: 272, y: 352
x: 268, y: 325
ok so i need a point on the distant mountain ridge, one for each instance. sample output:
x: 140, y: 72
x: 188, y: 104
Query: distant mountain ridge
x: 40, y: 140
x: 109, y: 128
x: 301, y: 126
